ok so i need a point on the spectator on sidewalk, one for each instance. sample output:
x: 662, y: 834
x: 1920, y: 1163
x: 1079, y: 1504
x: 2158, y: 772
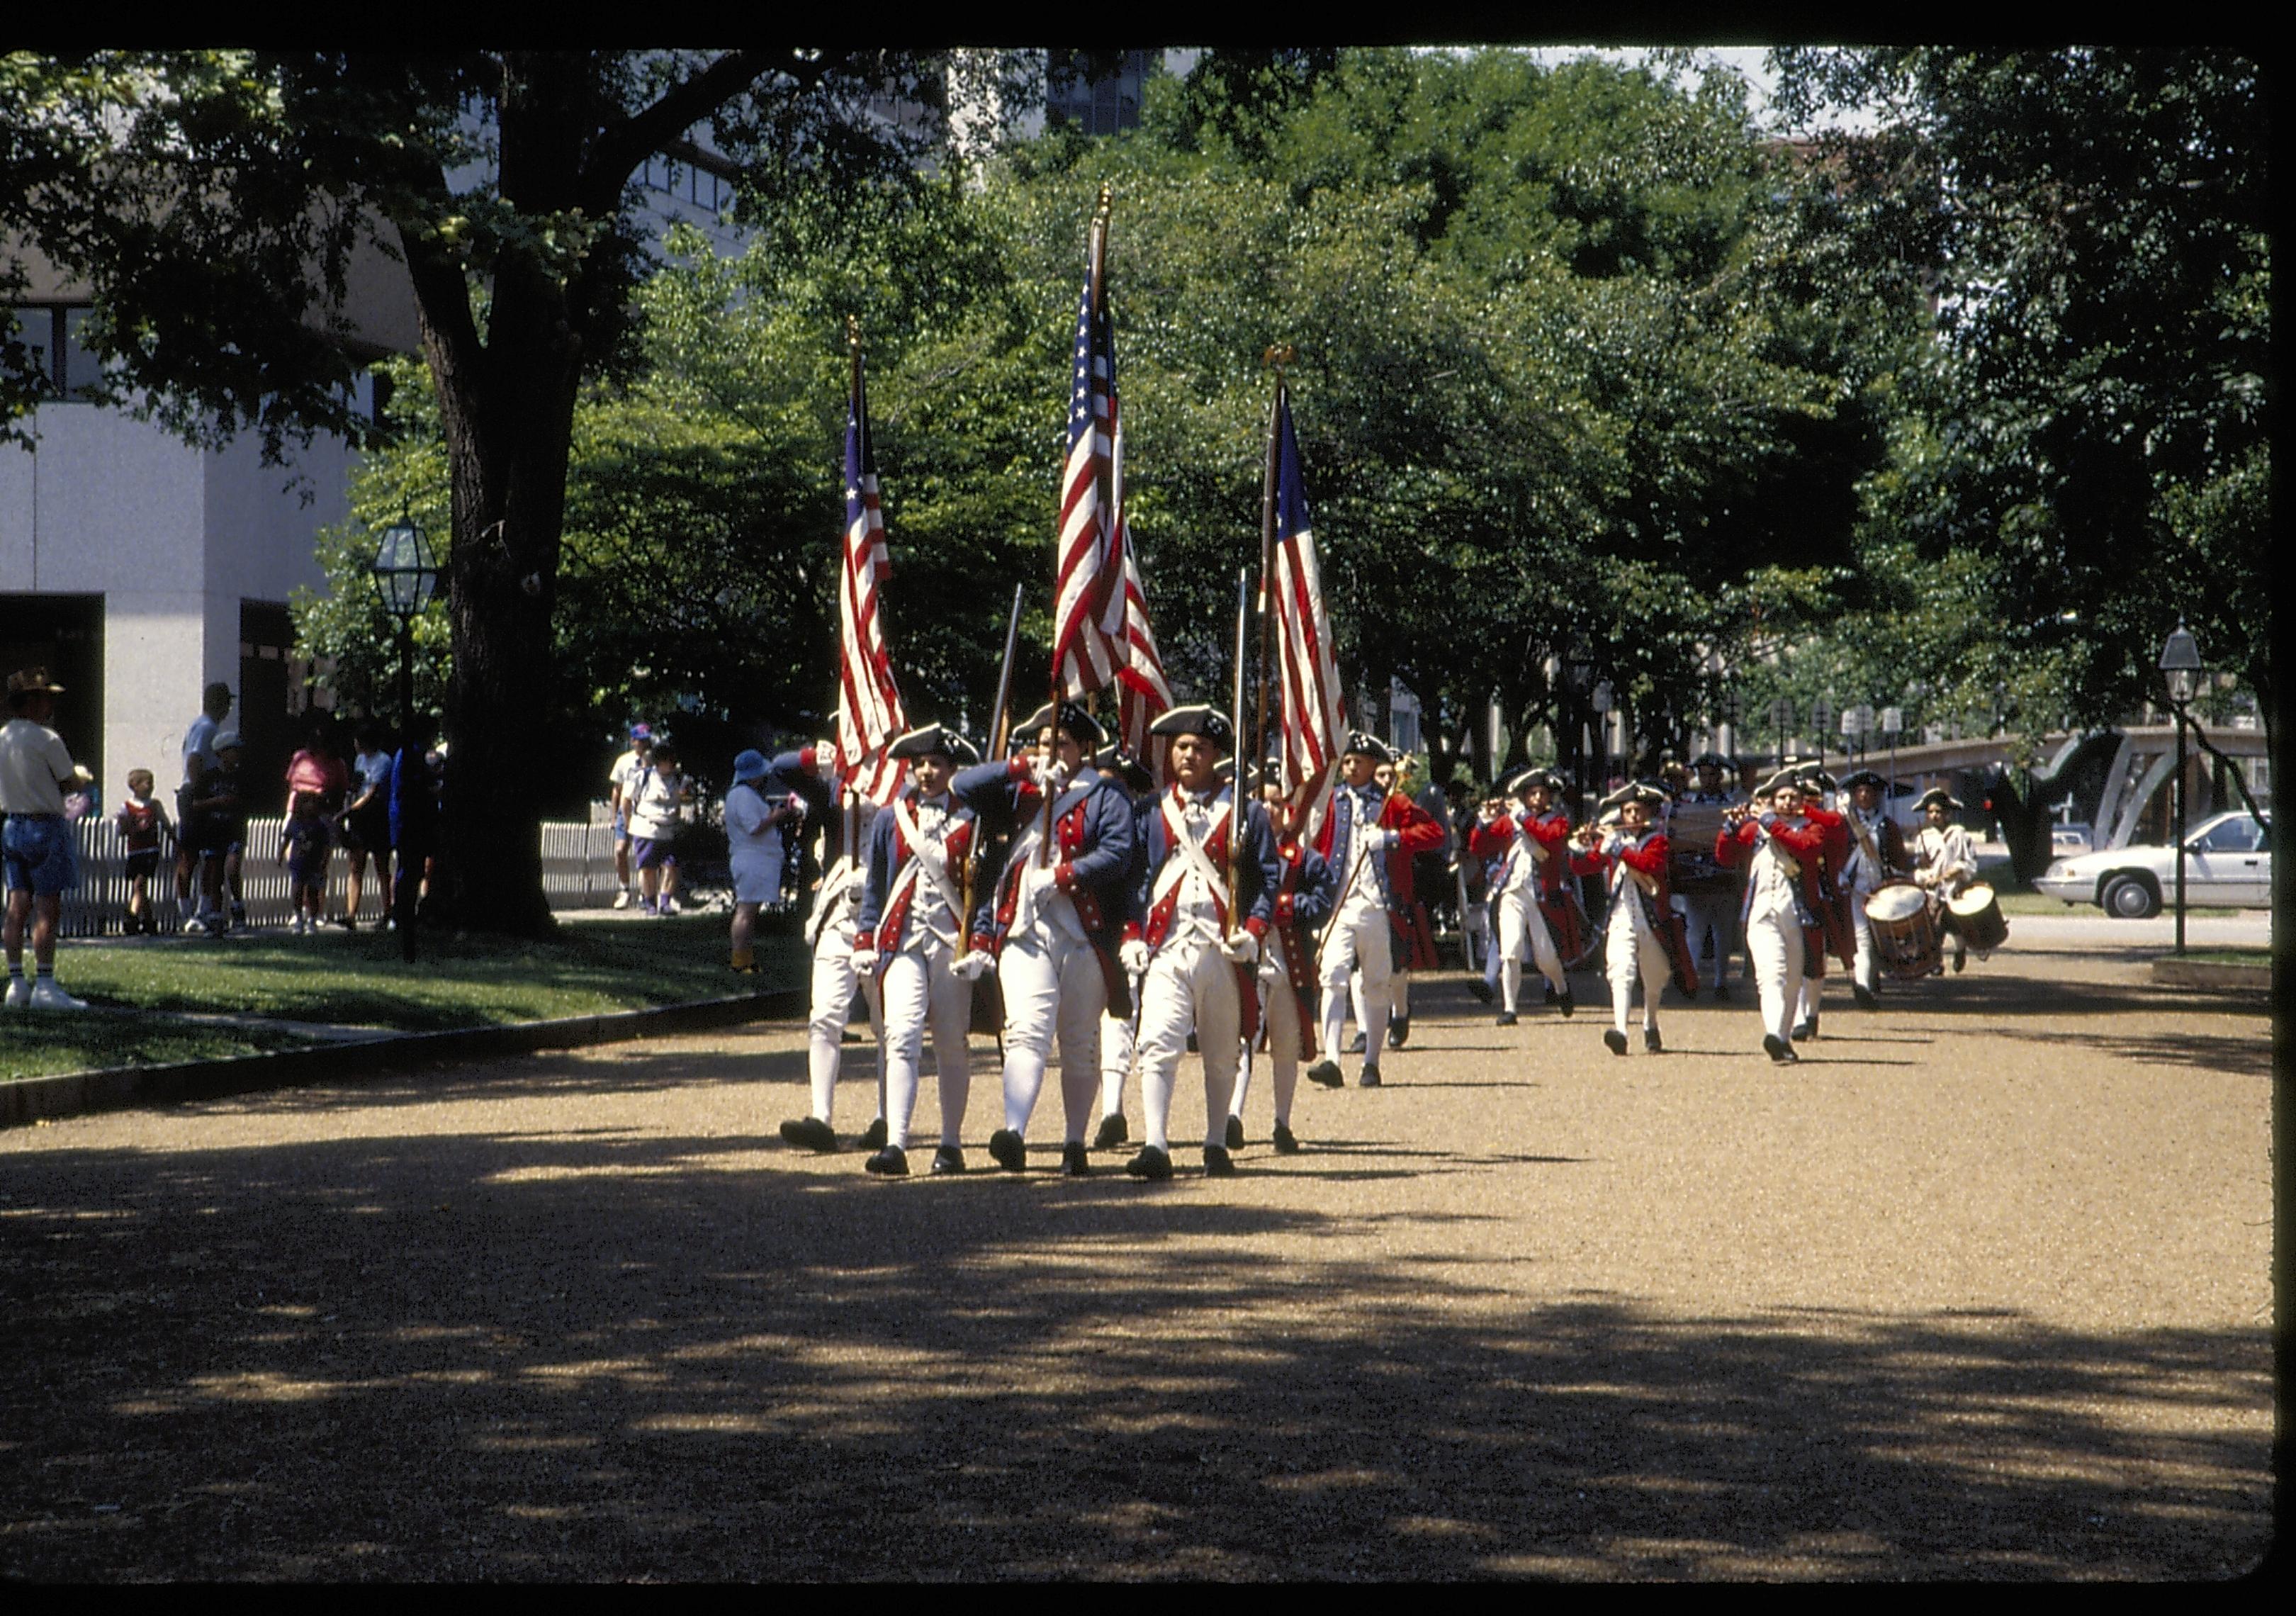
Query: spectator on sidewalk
x: 142, y: 822
x: 657, y: 793
x: 414, y: 824
x: 754, y: 851
x: 199, y: 756
x: 305, y: 846
x: 619, y: 780
x: 217, y: 815
x: 366, y: 820
x: 40, y: 862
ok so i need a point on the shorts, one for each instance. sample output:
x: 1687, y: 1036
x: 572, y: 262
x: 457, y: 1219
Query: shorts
x: 219, y: 836
x: 621, y: 827
x: 309, y: 870
x: 38, y: 851
x: 648, y: 854
x: 142, y: 865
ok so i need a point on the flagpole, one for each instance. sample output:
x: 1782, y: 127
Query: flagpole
x: 850, y: 828
x: 1278, y: 356
x: 1238, y: 794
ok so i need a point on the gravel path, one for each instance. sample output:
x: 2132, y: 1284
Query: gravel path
x: 1979, y: 1289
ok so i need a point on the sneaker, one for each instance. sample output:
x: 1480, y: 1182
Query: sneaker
x: 348, y: 923
x: 1075, y: 1163
x: 645, y: 906
x: 239, y: 914
x: 19, y: 993
x: 1397, y: 1031
x: 1778, y: 1049
x: 668, y: 907
x: 47, y: 996
x: 809, y: 1133
x: 622, y: 898
x: 1506, y: 1018
x: 1566, y: 1002
x: 1355, y: 1044
x: 1481, y: 989
x: 873, y: 1137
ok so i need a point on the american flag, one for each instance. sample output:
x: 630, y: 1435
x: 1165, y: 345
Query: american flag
x: 869, y: 715
x: 1314, y: 716
x: 1089, y: 594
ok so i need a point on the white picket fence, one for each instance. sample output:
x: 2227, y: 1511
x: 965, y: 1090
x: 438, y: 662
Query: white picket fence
x: 577, y: 873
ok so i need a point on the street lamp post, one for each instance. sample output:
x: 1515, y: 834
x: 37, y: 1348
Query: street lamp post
x: 1578, y: 680
x: 1601, y: 702
x: 1781, y: 717
x: 406, y: 575
x: 1893, y: 722
x: 2180, y: 670
x: 1821, y: 721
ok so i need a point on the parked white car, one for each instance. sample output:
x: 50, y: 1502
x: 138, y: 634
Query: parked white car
x: 2227, y: 863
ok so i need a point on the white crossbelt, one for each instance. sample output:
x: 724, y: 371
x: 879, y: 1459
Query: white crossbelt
x: 928, y: 860
x: 1192, y: 859
x: 836, y: 887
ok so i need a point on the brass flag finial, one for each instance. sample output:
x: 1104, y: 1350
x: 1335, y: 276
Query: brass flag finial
x: 853, y: 331
x: 1106, y: 195
x: 1279, y: 355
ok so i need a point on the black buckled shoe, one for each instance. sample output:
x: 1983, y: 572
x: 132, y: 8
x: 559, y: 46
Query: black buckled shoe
x: 873, y: 1137
x: 1325, y: 1074
x: 1217, y: 1162
x: 1150, y: 1163
x: 892, y: 1161
x: 1234, y: 1134
x: 1368, y: 1077
x: 809, y: 1133
x: 1565, y: 1002
x: 1397, y: 1031
x: 1866, y: 997
x: 1355, y: 1044
x: 1286, y: 1144
x: 1506, y: 1018
x: 1004, y: 1146
x: 1112, y: 1132
x: 1803, y: 1031
x: 1778, y: 1049
x: 1651, y: 1045
x: 1481, y: 989
x: 947, y: 1158
x: 1074, y: 1162
x: 1614, y: 1040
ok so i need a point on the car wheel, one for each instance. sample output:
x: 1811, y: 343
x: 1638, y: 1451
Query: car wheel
x: 2129, y: 898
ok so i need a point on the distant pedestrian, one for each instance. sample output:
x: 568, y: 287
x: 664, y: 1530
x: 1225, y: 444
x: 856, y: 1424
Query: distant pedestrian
x: 142, y: 823
x: 754, y: 851
x: 40, y: 862
x: 305, y: 846
x: 199, y: 756
x: 365, y: 824
x: 656, y: 794
x: 413, y: 802
x: 618, y: 779
x: 216, y: 815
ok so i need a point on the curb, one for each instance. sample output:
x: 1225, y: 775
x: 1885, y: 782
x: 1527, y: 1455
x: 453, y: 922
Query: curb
x: 28, y: 1100
x: 2210, y: 974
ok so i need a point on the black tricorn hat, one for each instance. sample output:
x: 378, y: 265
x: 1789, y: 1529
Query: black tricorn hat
x: 1115, y: 761
x: 1710, y: 761
x: 1202, y: 720
x: 1937, y: 794
x: 1863, y: 777
x: 930, y: 738
x: 1072, y: 720
x: 1778, y: 782
x: 1369, y: 745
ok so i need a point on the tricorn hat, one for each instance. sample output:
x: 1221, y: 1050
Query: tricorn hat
x: 1813, y: 773
x: 1071, y: 720
x: 1863, y: 777
x: 930, y: 738
x: 1368, y: 745
x: 1633, y: 790
x: 1115, y: 761
x: 1202, y: 720
x: 1937, y: 794
x: 1783, y: 779
x: 1710, y: 761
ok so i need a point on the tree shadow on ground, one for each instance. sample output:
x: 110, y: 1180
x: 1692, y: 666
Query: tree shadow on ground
x: 596, y: 1354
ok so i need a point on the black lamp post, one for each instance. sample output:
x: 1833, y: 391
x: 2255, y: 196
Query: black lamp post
x: 1601, y: 702
x: 1781, y: 717
x: 1821, y: 724
x: 1578, y: 679
x: 405, y: 576
x: 2180, y: 668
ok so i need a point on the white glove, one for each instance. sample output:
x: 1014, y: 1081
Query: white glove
x: 825, y: 758
x: 1038, y: 878
x: 1049, y: 773
x: 1378, y: 839
x: 1242, y: 948
x: 1134, y: 955
x: 972, y: 966
x: 865, y: 960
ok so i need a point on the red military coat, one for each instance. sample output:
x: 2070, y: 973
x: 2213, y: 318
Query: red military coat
x: 1734, y: 849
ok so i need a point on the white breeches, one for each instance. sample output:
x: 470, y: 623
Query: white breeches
x: 1279, y: 1013
x: 1868, y: 969
x: 1520, y: 924
x: 1629, y: 946
x: 1358, y: 939
x: 1773, y: 947
x: 833, y: 981
x: 1052, y: 986
x: 1116, y: 1051
x: 919, y: 989
x: 1190, y: 985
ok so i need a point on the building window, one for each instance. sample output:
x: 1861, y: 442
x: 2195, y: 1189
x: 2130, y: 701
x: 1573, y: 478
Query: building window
x: 1096, y: 103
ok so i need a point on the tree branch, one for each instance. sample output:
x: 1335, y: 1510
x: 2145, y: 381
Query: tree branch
x: 624, y: 145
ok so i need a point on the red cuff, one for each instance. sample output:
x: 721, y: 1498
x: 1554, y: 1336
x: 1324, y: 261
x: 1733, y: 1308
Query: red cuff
x: 982, y: 944
x: 1018, y: 768
x: 1256, y: 926
x: 865, y: 942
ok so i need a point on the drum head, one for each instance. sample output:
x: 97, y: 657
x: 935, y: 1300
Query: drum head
x: 1894, y: 903
x: 1974, y: 900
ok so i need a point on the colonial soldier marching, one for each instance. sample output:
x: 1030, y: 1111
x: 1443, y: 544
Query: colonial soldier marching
x: 1641, y: 935
x: 1119, y: 1033
x: 1779, y: 913
x: 1877, y: 855
x: 1517, y: 849
x: 1368, y: 838
x: 1813, y: 786
x: 1713, y: 911
x: 1054, y: 920
x: 1288, y: 991
x: 1204, y: 900
x: 1945, y: 859
x: 814, y: 776
x: 911, y: 934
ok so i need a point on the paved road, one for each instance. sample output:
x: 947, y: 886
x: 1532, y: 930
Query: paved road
x: 1979, y: 1289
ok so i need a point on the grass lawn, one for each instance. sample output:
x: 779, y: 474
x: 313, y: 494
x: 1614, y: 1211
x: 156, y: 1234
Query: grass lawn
x: 139, y: 992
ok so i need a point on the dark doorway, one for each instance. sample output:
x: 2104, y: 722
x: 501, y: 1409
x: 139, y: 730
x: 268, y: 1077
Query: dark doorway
x: 267, y: 703
x: 64, y: 633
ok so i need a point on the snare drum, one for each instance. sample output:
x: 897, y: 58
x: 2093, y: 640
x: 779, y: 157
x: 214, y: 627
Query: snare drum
x: 1906, y: 935
x: 1975, y: 916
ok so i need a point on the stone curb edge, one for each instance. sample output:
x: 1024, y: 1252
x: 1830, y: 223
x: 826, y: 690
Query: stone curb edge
x: 2208, y: 973
x: 27, y: 1100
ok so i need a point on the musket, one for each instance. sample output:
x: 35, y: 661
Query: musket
x: 999, y: 724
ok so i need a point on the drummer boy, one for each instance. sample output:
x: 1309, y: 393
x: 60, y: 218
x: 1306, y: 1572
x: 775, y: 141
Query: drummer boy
x: 1945, y: 859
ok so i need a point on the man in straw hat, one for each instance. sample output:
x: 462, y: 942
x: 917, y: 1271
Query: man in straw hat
x: 41, y: 862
